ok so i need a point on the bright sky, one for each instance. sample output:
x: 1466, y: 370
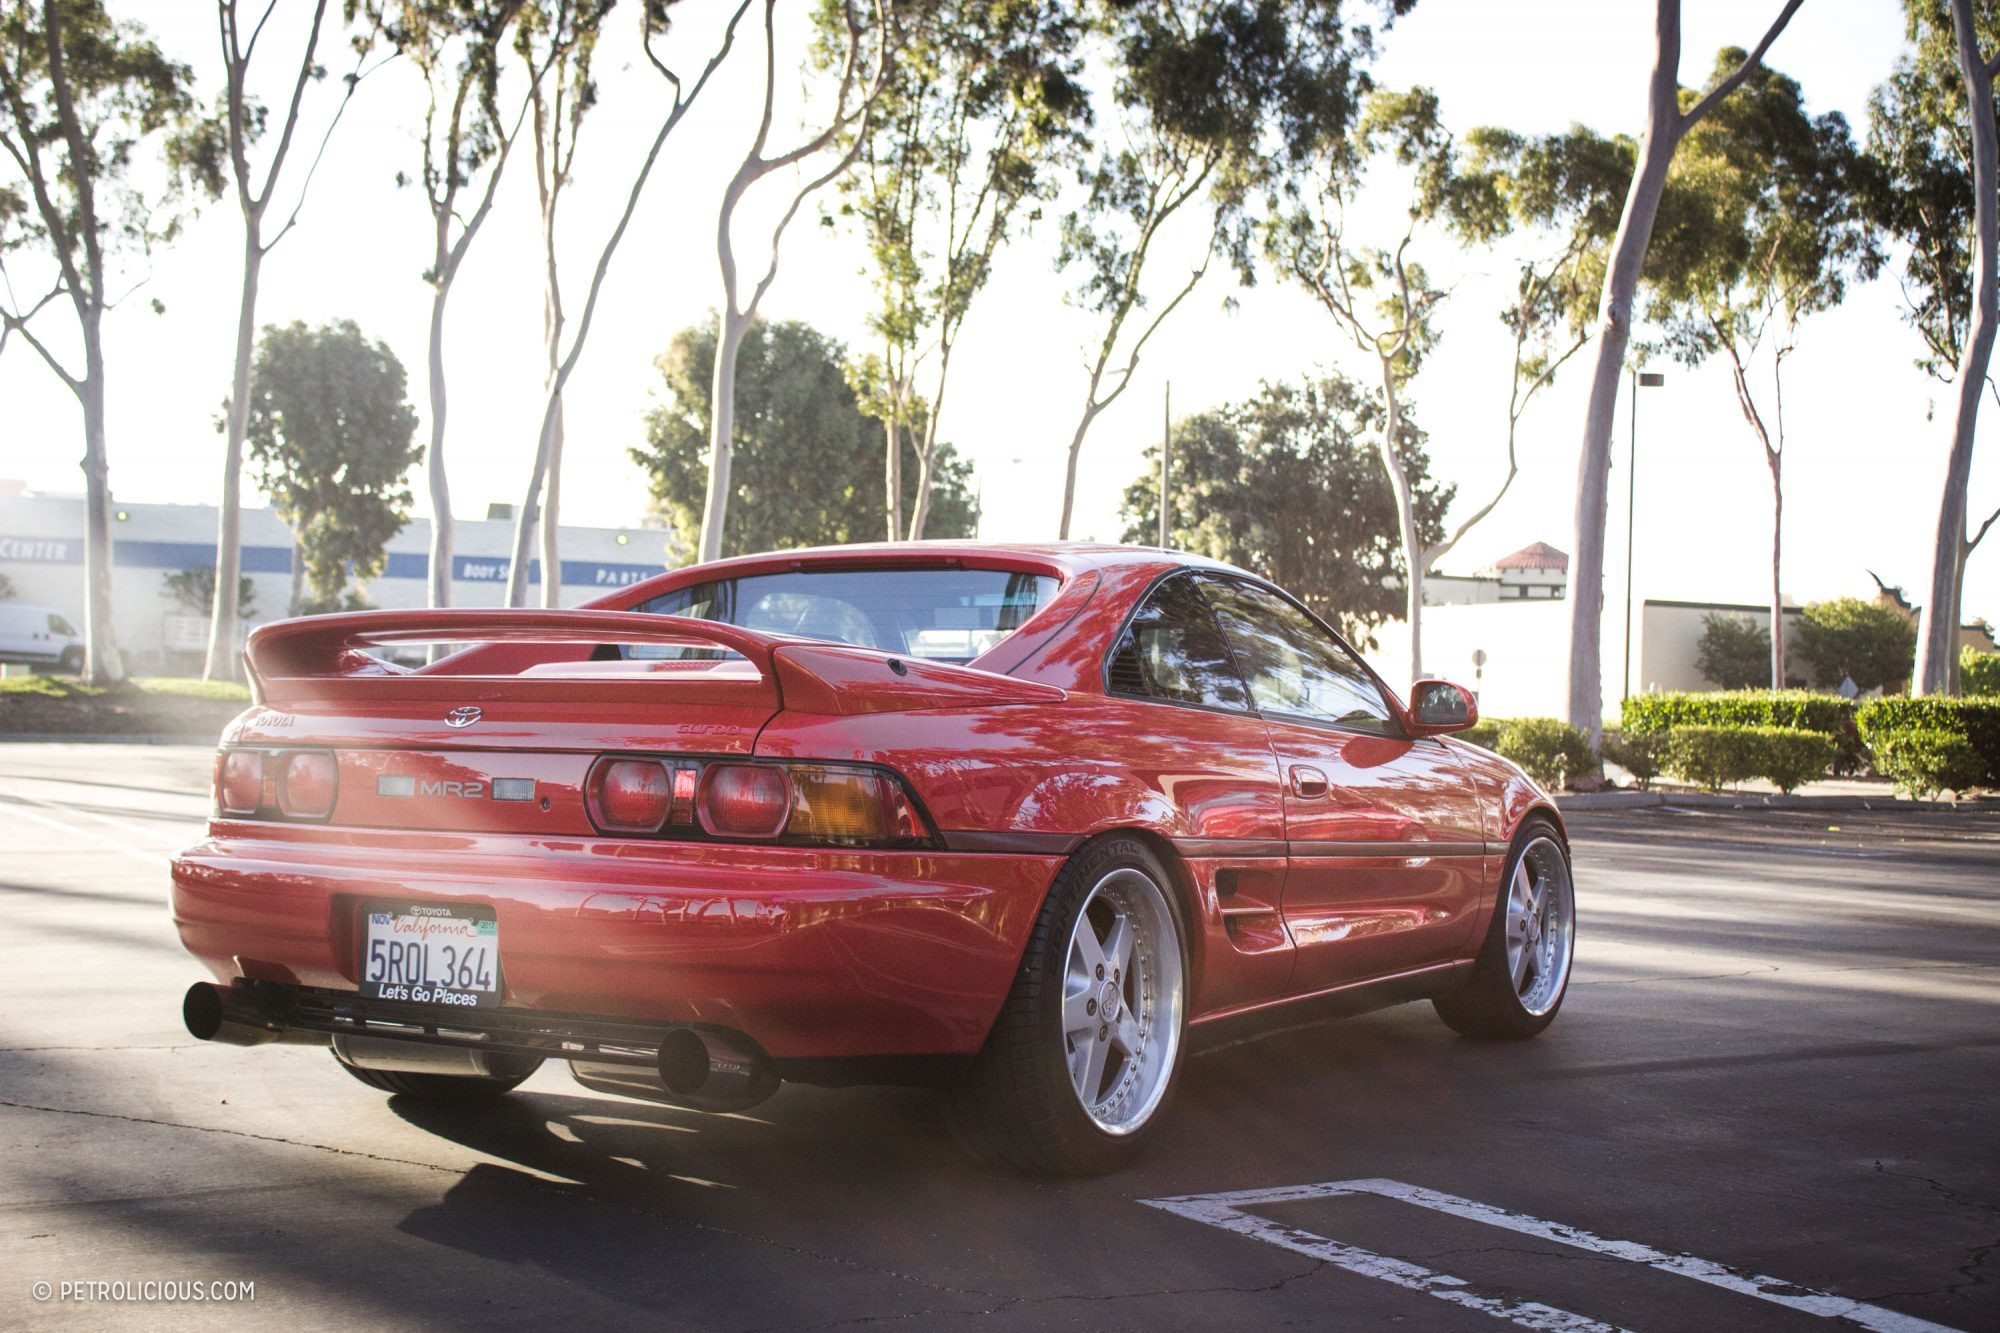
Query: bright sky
x: 1865, y: 456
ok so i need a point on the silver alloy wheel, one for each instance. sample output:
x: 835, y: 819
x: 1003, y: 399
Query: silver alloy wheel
x: 1541, y: 921
x: 1122, y: 998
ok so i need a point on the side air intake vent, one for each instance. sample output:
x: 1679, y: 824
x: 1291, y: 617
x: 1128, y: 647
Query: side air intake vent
x: 1126, y: 675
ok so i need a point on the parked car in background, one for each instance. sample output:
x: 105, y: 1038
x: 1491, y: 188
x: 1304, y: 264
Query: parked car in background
x: 39, y: 636
x: 1027, y: 822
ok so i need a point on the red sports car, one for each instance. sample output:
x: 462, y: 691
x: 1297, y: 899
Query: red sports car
x: 1028, y: 822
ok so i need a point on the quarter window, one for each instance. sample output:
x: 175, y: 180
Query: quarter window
x: 1173, y: 651
x: 1293, y: 666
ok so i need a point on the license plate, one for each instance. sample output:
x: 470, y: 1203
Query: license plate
x: 430, y: 953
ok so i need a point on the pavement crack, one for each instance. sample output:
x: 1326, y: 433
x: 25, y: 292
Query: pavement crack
x: 1940, y: 1188
x: 231, y: 1133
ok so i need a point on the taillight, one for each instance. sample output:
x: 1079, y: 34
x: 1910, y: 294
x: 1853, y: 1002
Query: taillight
x: 851, y: 805
x: 310, y: 782
x: 630, y: 795
x: 744, y: 800
x: 239, y: 785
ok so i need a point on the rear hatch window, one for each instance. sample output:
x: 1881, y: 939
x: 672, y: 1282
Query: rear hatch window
x: 945, y: 615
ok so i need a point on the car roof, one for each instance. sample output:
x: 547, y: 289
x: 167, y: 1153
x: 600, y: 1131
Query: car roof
x: 1072, y: 557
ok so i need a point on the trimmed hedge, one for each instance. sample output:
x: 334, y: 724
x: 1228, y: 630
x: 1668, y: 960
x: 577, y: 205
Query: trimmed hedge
x: 1799, y: 710
x: 1976, y: 721
x: 1717, y: 756
x: 1979, y: 673
x: 1802, y: 710
x: 1485, y: 733
x: 1551, y: 751
x: 1639, y: 753
x: 1923, y: 761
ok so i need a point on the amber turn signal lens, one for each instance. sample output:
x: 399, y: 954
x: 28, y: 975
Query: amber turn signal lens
x: 239, y: 786
x: 850, y: 805
x: 311, y: 780
x: 744, y: 800
x: 629, y: 795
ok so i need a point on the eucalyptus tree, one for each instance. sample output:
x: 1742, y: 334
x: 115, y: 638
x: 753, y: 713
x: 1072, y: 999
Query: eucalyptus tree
x: 1380, y: 298
x: 1762, y: 228
x: 569, y: 27
x: 1214, y: 100
x: 1670, y: 114
x: 244, y: 121
x: 854, y: 52
x: 88, y: 105
x: 458, y: 47
x: 1931, y: 129
x: 982, y: 108
x: 1556, y: 197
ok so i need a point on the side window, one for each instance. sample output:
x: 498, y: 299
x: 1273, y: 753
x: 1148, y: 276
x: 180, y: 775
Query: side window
x: 58, y: 625
x: 1294, y: 667
x: 1172, y: 650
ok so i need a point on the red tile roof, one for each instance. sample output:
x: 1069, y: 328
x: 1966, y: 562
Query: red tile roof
x: 1541, y: 555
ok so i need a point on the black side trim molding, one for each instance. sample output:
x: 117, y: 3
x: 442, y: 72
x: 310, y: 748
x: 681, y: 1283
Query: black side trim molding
x: 1024, y: 844
x: 1402, y: 849
x: 1263, y: 1019
x: 1227, y: 847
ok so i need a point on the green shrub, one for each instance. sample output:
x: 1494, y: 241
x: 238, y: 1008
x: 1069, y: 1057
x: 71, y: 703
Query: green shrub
x: 1485, y: 733
x: 1923, y: 761
x: 1550, y: 750
x: 1801, y: 710
x: 1712, y: 757
x: 1638, y: 753
x: 1976, y: 721
x: 1979, y: 673
x: 1790, y: 759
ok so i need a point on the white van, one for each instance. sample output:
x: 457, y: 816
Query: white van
x: 39, y: 636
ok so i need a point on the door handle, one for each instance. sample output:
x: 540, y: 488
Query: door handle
x: 1308, y: 783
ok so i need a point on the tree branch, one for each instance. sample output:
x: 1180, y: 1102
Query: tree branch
x: 1742, y: 71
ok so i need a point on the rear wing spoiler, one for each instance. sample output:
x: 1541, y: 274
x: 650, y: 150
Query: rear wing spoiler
x: 552, y: 656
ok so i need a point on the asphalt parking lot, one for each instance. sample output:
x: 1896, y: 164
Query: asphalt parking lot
x: 1776, y: 1080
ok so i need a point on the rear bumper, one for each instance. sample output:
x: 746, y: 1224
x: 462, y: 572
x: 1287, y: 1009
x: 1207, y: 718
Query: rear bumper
x: 814, y: 954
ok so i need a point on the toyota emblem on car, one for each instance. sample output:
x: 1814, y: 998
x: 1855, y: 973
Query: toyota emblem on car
x: 463, y: 717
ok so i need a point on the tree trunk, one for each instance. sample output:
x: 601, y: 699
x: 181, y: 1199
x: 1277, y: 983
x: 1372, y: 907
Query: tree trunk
x: 1777, y: 594
x: 1937, y: 624
x: 1075, y: 450
x: 222, y: 662
x: 1614, y: 320
x: 440, y: 487
x: 298, y: 575
x: 552, y: 516
x: 1406, y: 520
x: 102, y: 663
x: 892, y: 473
x: 920, y: 509
x: 721, y: 434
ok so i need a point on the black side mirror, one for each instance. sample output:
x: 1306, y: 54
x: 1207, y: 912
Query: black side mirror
x: 1438, y: 706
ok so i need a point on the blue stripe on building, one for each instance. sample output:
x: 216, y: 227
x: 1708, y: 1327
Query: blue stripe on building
x: 133, y: 553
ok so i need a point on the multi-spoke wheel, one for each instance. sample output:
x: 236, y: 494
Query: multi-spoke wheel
x: 1085, y: 1049
x: 1522, y: 972
x: 1117, y: 986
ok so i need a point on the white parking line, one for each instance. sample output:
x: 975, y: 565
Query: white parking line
x: 22, y: 808
x: 1229, y: 1211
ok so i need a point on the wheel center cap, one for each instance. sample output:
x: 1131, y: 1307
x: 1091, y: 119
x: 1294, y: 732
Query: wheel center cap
x: 1107, y: 1001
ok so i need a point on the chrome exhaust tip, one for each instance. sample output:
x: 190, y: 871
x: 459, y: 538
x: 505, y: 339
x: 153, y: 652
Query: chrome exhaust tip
x: 702, y: 1069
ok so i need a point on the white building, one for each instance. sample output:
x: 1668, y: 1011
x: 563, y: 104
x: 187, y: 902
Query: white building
x: 41, y: 554
x: 1534, y: 573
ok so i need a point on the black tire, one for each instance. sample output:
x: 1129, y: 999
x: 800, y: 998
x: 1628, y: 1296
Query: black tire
x: 1017, y: 1105
x: 1488, y: 1006
x: 72, y: 662
x: 445, y: 1087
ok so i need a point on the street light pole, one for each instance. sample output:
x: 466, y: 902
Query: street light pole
x: 1166, y: 460
x: 1640, y: 380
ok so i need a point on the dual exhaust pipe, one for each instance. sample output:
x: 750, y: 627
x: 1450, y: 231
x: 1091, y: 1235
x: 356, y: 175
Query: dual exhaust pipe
x: 702, y: 1069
